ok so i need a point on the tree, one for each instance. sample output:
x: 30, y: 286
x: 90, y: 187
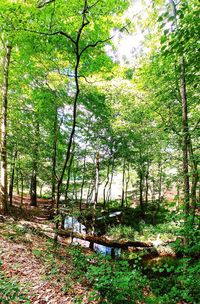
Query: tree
x: 4, y: 111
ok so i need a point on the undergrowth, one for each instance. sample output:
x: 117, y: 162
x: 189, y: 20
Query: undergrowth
x: 10, y: 291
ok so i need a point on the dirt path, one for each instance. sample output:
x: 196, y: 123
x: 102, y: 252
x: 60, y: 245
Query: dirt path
x: 31, y: 272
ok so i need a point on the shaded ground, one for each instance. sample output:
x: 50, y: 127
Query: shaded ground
x: 39, y: 267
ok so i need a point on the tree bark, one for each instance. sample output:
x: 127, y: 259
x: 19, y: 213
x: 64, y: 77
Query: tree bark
x: 127, y: 183
x: 69, y: 174
x: 123, y: 182
x: 83, y: 182
x: 111, y: 179
x: 106, y: 242
x: 11, y: 186
x: 185, y: 131
x: 54, y: 155
x: 160, y: 183
x: 33, y: 188
x: 3, y: 164
x: 105, y: 186
x: 96, y: 191
x: 195, y: 178
x: 22, y: 191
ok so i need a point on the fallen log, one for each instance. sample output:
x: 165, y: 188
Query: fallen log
x: 104, y: 241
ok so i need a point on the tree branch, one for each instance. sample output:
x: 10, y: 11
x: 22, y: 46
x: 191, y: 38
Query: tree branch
x: 49, y: 34
x: 92, y: 45
x: 43, y: 3
x: 94, y: 4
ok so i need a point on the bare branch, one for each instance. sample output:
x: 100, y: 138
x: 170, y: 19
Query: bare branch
x: 94, y: 4
x: 92, y: 45
x: 43, y: 3
x: 49, y: 34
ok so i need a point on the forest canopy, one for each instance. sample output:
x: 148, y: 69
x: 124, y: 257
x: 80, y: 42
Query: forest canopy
x: 100, y: 121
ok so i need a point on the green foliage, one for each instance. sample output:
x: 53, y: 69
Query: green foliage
x: 10, y: 291
x: 177, y: 283
x: 121, y: 232
x: 113, y: 281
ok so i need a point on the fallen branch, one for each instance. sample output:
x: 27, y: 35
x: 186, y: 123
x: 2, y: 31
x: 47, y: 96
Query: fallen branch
x: 105, y: 241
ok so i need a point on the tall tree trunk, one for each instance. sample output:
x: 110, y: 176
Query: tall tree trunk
x: 127, y: 183
x: 83, y: 182
x: 69, y: 175
x: 96, y: 181
x: 78, y: 53
x: 160, y: 183
x: 4, y: 109
x: 22, y: 191
x: 185, y: 129
x: 195, y: 178
x: 105, y: 186
x: 11, y: 186
x: 123, y: 183
x: 75, y: 195
x: 111, y: 180
x: 141, y: 185
x: 96, y: 192
x: 33, y: 188
x: 54, y: 155
x: 147, y: 185
x: 185, y: 137
x: 17, y: 180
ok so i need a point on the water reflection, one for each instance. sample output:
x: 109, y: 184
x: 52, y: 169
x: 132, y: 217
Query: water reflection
x: 72, y: 223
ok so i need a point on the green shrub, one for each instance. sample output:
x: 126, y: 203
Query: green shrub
x: 121, y: 232
x: 181, y: 284
x: 112, y: 281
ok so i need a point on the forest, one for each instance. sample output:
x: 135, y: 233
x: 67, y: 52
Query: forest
x: 99, y: 151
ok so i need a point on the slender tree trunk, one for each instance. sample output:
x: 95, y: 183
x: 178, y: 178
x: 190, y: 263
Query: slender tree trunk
x: 141, y: 182
x: 160, y: 183
x: 4, y: 109
x: 185, y: 137
x: 75, y: 196
x: 69, y: 175
x: 91, y: 189
x: 96, y: 192
x: 111, y: 180
x: 71, y: 137
x: 105, y: 186
x: 83, y: 182
x: 195, y: 179
x: 78, y: 53
x: 54, y: 155
x: 185, y: 129
x: 127, y: 183
x: 96, y: 181
x: 11, y: 186
x: 147, y: 186
x: 123, y: 182
x: 33, y: 189
x: 153, y: 190
x: 22, y: 191
x: 17, y: 180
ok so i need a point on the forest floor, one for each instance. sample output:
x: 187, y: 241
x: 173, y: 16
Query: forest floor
x: 41, y: 269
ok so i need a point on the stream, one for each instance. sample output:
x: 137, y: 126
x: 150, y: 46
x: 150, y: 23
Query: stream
x: 76, y: 226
